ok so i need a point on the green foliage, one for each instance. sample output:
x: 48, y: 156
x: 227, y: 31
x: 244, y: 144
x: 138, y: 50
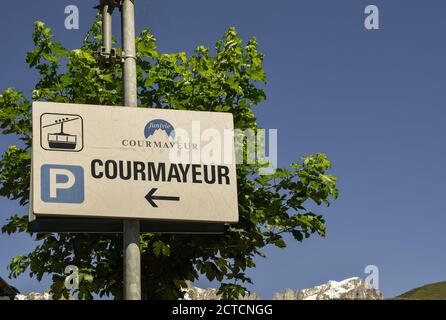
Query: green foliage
x: 226, y: 79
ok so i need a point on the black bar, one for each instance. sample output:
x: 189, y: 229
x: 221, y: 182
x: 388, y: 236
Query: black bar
x: 222, y: 310
x: 97, y: 225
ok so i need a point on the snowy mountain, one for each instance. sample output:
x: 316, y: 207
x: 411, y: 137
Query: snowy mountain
x: 35, y: 296
x: 194, y: 293
x: 348, y: 289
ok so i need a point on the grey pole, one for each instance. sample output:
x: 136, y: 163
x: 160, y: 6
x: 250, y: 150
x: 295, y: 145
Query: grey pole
x: 107, y: 27
x: 132, y: 254
x: 128, y: 54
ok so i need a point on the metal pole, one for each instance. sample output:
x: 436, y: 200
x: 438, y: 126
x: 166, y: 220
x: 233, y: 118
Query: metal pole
x: 132, y: 254
x: 128, y: 39
x: 107, y: 27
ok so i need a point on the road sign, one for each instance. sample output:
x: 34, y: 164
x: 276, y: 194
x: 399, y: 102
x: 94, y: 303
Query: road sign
x: 119, y: 162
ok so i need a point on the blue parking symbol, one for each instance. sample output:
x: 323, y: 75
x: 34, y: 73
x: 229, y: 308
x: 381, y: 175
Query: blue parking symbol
x: 62, y: 184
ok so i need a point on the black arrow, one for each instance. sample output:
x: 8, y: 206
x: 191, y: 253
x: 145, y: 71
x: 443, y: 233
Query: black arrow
x: 150, y: 197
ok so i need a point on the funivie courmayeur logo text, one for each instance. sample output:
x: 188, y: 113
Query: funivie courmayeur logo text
x: 161, y: 125
x: 159, y: 134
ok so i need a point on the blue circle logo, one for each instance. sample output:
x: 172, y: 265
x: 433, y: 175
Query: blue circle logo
x: 159, y: 124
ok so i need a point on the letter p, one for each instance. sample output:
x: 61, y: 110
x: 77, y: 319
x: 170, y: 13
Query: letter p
x: 62, y: 184
x: 55, y: 183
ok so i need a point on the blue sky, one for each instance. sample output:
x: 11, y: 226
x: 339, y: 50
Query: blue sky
x: 374, y: 101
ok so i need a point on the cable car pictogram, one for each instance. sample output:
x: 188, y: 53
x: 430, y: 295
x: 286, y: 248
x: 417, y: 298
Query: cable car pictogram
x: 62, y: 140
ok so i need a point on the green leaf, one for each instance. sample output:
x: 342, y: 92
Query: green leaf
x: 107, y: 77
x: 58, y: 49
x: 160, y: 248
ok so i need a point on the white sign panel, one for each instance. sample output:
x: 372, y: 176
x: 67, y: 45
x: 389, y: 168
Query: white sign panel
x: 120, y: 162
